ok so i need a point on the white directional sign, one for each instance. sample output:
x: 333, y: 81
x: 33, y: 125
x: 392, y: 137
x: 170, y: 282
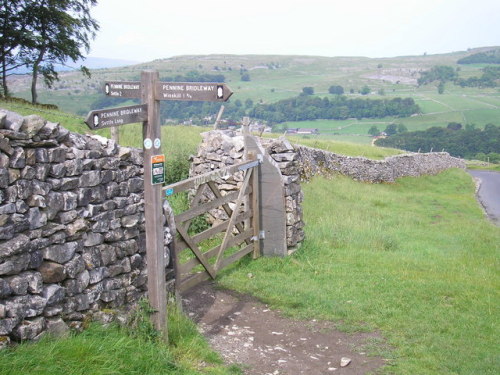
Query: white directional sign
x: 193, y: 91
x: 105, y: 118
x: 186, y: 91
x: 123, y: 89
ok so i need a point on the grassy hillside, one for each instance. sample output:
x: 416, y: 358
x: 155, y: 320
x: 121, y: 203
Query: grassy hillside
x: 278, y: 77
x: 415, y: 260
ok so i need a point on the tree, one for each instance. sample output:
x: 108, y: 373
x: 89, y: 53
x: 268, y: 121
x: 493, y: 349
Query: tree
x: 336, y: 90
x: 441, y: 73
x: 365, y: 90
x: 57, y: 31
x: 391, y: 129
x: 308, y: 90
x: 454, y: 126
x: 373, y: 131
x: 441, y: 87
x: 13, y: 33
x: 402, y: 128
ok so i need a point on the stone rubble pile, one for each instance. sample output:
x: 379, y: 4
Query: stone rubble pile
x: 219, y: 150
x: 71, y: 227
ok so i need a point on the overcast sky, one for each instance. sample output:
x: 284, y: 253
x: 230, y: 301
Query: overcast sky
x: 144, y: 30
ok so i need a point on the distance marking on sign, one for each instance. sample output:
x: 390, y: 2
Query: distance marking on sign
x: 105, y: 118
x: 123, y: 89
x: 193, y: 91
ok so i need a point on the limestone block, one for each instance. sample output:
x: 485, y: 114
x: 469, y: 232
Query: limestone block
x: 14, y: 246
x: 32, y: 124
x: 53, y: 293
x: 57, y: 327
x: 61, y: 253
x: 75, y: 266
x: 15, y: 264
x: 52, y: 272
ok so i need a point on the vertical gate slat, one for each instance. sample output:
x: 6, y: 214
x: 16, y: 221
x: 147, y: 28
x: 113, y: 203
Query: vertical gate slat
x: 232, y: 220
x: 256, y: 222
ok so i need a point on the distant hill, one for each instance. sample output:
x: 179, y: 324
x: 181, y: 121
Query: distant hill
x: 89, y: 62
x: 259, y: 80
x: 487, y: 57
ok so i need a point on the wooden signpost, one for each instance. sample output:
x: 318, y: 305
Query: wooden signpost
x: 106, y: 118
x: 192, y: 91
x: 151, y: 90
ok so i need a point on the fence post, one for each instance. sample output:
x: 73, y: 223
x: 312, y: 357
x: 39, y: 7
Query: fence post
x: 271, y: 202
x: 155, y: 251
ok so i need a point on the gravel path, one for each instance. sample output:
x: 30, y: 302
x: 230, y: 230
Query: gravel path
x: 247, y: 332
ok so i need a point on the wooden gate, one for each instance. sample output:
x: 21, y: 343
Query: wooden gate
x: 200, y: 256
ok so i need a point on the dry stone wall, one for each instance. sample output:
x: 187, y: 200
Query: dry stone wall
x: 220, y: 149
x: 319, y: 162
x: 71, y: 227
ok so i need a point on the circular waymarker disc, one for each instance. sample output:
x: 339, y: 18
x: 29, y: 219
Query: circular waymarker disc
x: 148, y: 143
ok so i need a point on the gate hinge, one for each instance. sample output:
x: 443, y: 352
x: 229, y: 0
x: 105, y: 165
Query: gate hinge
x: 261, y: 236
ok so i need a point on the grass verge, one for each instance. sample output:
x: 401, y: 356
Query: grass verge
x: 415, y: 260
x: 114, y: 350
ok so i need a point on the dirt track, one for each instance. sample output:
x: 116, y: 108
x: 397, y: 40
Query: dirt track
x: 247, y: 332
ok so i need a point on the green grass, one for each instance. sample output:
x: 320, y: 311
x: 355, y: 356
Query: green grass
x: 71, y: 122
x: 415, y: 260
x: 113, y: 350
x: 482, y: 164
x: 345, y: 148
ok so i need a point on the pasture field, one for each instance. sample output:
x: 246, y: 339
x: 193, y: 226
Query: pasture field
x: 344, y: 148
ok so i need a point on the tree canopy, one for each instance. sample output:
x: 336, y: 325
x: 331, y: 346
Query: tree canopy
x: 457, y: 141
x: 40, y: 34
x: 441, y: 73
x: 339, y: 107
x: 488, y: 57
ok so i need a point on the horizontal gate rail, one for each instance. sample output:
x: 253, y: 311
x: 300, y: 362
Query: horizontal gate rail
x: 205, y: 235
x: 237, y: 240
x: 194, y: 182
x: 198, y: 210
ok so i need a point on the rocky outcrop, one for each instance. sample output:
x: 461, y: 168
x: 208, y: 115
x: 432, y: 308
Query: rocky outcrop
x: 71, y: 226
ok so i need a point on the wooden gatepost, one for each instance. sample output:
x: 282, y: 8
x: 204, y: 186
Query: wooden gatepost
x: 272, y: 198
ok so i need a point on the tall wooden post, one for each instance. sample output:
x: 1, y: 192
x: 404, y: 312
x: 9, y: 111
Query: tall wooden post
x: 155, y: 251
